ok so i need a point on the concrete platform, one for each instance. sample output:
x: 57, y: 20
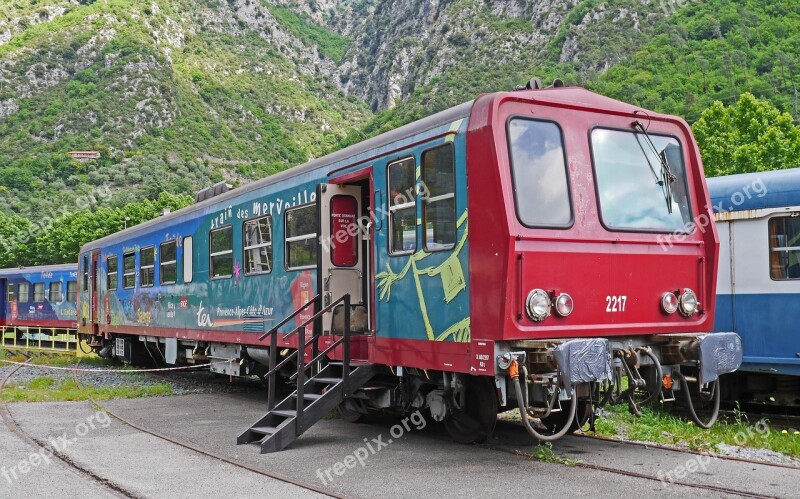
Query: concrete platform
x: 419, y: 463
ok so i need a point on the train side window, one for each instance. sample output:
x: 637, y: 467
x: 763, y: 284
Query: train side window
x: 539, y: 173
x: 129, y: 270
x: 55, y: 292
x: 147, y: 266
x: 301, y: 237
x: 168, y: 262
x: 188, y: 269
x: 24, y: 292
x: 402, y: 179
x: 11, y: 292
x: 221, y: 257
x: 439, y: 203
x: 38, y: 292
x: 72, y: 291
x: 784, y: 248
x: 112, y: 279
x: 258, y: 246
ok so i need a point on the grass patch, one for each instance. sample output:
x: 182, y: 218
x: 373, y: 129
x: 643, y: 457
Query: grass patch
x: 664, y: 428
x: 46, y: 389
x: 544, y: 452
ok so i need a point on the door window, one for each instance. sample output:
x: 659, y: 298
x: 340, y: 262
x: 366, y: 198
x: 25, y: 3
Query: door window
x: 344, y: 231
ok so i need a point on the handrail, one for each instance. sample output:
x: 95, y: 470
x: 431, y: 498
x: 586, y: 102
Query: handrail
x: 281, y: 364
x: 299, y: 354
x: 290, y: 317
x: 313, y: 318
x: 319, y: 355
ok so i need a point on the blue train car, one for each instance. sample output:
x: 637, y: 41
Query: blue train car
x: 39, y: 297
x: 758, y: 290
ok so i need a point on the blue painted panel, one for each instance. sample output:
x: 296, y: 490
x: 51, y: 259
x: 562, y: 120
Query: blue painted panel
x: 227, y: 304
x: 425, y: 295
x: 769, y: 325
x: 752, y: 191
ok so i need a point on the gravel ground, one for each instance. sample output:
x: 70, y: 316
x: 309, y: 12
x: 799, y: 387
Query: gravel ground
x: 756, y: 454
x: 183, y: 382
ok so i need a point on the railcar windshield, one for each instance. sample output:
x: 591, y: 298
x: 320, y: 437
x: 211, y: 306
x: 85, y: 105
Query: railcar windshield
x: 541, y: 190
x: 632, y: 196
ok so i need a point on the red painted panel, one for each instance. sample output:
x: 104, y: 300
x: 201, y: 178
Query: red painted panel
x: 422, y: 354
x: 359, y: 349
x: 589, y: 262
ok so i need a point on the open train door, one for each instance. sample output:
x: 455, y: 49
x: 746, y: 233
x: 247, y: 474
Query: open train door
x: 343, y: 260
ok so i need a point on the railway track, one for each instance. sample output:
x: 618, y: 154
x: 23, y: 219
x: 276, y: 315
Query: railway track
x: 646, y: 476
x: 40, y: 446
x: 233, y: 462
x: 506, y: 425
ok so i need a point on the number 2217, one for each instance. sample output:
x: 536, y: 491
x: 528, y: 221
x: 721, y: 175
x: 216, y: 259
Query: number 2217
x: 616, y: 303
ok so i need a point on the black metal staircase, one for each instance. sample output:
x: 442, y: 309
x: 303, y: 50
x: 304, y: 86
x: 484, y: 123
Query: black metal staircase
x: 320, y: 388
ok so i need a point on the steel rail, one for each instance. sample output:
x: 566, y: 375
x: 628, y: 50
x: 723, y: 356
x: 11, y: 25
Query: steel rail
x: 81, y: 471
x: 233, y: 462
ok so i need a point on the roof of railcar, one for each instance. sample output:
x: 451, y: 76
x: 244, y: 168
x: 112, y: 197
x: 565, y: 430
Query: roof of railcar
x: 417, y: 127
x: 66, y: 267
x: 572, y: 95
x: 754, y: 191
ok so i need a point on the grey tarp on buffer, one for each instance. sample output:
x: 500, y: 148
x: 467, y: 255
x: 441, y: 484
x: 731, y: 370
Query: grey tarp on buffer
x: 720, y: 353
x: 583, y: 360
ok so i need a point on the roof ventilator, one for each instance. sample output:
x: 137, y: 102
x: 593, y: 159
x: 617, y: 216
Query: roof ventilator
x: 213, y: 191
x: 536, y: 84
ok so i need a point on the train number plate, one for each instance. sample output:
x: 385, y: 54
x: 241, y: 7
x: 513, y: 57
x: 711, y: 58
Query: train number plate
x: 616, y: 303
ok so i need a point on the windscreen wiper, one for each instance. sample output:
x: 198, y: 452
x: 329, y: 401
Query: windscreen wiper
x: 666, y: 178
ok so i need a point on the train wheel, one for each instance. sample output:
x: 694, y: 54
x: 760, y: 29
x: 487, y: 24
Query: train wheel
x: 349, y: 411
x: 473, y: 420
x: 555, y: 421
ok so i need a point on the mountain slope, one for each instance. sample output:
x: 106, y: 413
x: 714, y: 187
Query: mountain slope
x: 177, y: 94
x: 216, y: 87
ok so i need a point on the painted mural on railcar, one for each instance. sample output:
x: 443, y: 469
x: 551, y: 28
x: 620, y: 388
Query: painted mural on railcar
x: 39, y: 296
x: 425, y: 295
x: 410, y: 287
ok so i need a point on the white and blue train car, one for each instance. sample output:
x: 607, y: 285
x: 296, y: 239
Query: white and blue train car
x: 758, y: 287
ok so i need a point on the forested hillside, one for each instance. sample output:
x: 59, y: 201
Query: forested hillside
x: 179, y: 94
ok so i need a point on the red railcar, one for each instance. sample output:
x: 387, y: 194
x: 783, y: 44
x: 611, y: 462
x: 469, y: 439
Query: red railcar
x: 547, y: 249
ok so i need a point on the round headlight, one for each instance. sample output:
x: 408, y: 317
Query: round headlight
x: 564, y: 304
x: 688, y: 304
x: 669, y: 303
x: 538, y: 305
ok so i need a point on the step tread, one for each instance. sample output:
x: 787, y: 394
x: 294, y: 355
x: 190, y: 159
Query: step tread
x: 289, y: 413
x: 330, y: 381
x: 264, y: 430
x: 309, y: 396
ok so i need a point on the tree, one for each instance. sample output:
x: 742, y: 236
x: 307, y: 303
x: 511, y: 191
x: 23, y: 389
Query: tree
x: 752, y: 135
